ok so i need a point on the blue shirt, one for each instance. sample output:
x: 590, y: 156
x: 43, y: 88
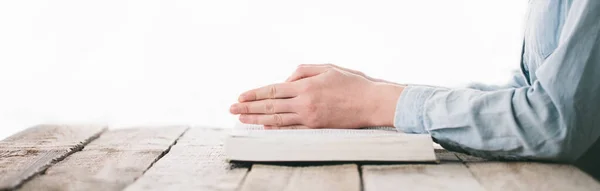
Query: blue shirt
x: 549, y: 111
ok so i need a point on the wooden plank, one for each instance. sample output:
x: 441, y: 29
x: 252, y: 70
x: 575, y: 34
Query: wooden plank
x: 111, y: 162
x: 313, y: 145
x: 196, y: 162
x: 33, y: 150
x: 287, y: 178
x: 450, y: 174
x: 531, y: 176
x: 446, y: 176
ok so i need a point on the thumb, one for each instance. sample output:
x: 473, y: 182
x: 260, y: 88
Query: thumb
x: 307, y: 71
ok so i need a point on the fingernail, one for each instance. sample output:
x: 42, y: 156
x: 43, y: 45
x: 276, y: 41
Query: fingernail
x: 243, y: 118
x: 242, y: 98
x: 233, y: 109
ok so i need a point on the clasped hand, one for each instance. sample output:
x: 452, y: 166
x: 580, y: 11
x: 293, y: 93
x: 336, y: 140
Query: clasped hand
x: 320, y: 96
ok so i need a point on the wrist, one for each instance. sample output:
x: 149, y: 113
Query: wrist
x: 382, y: 105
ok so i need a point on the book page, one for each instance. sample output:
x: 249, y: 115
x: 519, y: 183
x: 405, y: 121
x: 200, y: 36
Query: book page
x: 258, y: 130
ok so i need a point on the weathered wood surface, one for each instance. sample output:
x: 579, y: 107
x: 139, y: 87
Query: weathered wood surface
x: 330, y: 147
x: 450, y: 174
x: 111, y: 162
x: 33, y: 150
x: 315, y: 178
x: 196, y: 162
x: 531, y: 176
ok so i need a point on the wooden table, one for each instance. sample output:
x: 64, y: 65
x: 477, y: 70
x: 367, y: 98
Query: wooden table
x: 54, y: 157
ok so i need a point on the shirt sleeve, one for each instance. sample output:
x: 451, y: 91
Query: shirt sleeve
x: 557, y: 118
x: 516, y: 81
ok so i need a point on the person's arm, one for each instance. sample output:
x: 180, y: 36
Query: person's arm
x: 557, y: 118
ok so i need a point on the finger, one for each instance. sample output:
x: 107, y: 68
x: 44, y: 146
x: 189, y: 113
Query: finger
x: 279, y: 119
x: 307, y: 71
x: 268, y: 106
x: 287, y: 127
x: 282, y: 90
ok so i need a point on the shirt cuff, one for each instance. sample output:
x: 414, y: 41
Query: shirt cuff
x: 409, y: 109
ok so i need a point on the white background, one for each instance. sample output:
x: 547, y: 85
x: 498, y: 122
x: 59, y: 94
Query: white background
x: 126, y: 63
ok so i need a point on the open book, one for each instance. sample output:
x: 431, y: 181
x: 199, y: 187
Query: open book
x: 381, y: 144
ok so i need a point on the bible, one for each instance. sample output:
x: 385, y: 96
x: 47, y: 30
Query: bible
x: 378, y: 144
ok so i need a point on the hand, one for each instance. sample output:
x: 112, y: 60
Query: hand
x: 320, y: 97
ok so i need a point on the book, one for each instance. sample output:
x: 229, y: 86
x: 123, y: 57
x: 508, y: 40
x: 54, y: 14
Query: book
x: 380, y: 144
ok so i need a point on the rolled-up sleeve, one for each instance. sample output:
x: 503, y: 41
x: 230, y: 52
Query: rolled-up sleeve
x: 556, y: 118
x: 409, y: 109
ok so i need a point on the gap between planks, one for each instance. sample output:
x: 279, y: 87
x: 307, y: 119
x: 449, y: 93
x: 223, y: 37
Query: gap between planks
x: 162, y: 154
x: 360, y: 175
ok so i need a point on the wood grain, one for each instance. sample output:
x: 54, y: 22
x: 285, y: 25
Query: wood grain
x: 531, y: 176
x: 314, y: 178
x: 450, y: 174
x: 33, y: 150
x: 111, y: 162
x: 327, y: 147
x: 196, y: 162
